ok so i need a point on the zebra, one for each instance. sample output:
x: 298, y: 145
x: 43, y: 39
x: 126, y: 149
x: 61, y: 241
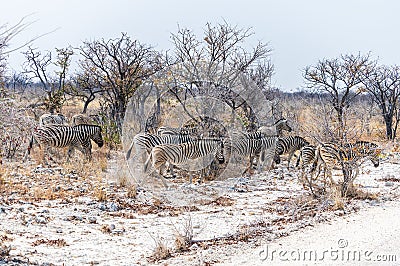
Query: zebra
x: 47, y: 119
x: 306, y: 157
x: 144, y: 142
x: 277, y: 128
x: 178, y: 154
x: 348, y: 157
x: 363, y: 149
x: 80, y: 119
x: 290, y: 145
x: 59, y: 136
x: 356, y: 153
x: 175, y: 131
x: 252, y: 145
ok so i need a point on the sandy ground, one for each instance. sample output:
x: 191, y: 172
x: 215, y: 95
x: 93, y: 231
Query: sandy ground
x: 369, y: 237
x: 238, y: 221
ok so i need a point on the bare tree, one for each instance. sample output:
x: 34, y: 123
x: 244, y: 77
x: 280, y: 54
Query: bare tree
x: 214, y: 64
x: 9, y: 32
x: 17, y: 82
x: 118, y: 66
x: 85, y: 87
x: 383, y: 84
x: 341, y: 80
x: 52, y: 83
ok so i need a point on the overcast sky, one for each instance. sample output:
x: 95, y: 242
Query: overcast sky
x: 299, y: 32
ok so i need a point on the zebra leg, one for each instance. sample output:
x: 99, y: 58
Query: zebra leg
x: 159, y: 168
x: 71, y: 151
x: 289, y: 159
x: 190, y: 177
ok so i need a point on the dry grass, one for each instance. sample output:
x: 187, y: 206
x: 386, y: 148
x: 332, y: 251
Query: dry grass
x: 40, y: 193
x: 357, y: 193
x: 131, y: 191
x: 336, y: 197
x: 161, y: 250
x: 50, y: 242
x: 100, y: 194
x: 184, y: 239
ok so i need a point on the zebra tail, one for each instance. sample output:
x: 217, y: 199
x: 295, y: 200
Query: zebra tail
x: 146, y: 164
x: 298, y: 160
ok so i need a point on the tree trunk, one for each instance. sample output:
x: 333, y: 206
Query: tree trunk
x: 389, y: 129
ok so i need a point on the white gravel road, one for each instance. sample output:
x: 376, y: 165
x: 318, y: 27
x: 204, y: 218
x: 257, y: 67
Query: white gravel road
x: 369, y: 237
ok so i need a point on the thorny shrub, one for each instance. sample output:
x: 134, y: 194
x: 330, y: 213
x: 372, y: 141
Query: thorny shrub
x: 15, y: 128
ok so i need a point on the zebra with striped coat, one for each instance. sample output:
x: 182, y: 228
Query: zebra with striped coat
x: 254, y: 144
x: 356, y: 153
x: 47, y: 119
x: 289, y: 145
x: 60, y: 136
x: 175, y: 131
x: 179, y: 154
x: 144, y: 142
x: 348, y: 158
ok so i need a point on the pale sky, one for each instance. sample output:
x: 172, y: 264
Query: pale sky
x: 299, y: 32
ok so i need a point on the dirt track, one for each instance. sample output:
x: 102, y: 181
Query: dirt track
x: 369, y: 237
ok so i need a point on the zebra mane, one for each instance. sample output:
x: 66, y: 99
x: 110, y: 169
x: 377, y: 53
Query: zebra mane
x: 280, y: 121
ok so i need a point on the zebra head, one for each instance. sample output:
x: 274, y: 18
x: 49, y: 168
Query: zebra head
x: 282, y: 124
x: 97, y: 137
x: 368, y: 150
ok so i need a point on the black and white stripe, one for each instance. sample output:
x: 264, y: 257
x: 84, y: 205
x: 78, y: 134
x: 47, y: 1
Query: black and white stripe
x: 289, y: 145
x: 144, y: 142
x: 306, y: 156
x: 254, y: 144
x: 67, y: 136
x: 327, y: 155
x: 175, y: 131
x: 362, y: 150
x: 48, y: 119
x: 348, y: 158
x: 178, y: 154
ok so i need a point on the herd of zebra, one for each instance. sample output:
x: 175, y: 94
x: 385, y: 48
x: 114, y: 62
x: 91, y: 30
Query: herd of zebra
x: 54, y: 131
x: 175, y: 146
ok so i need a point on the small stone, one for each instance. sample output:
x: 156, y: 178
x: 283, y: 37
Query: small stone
x: 40, y: 220
x: 194, y: 247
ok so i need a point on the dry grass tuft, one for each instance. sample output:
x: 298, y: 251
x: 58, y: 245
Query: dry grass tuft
x: 40, y: 193
x: 183, y: 240
x: 357, y: 193
x: 100, y: 194
x: 336, y: 197
x: 161, y: 251
x: 131, y: 191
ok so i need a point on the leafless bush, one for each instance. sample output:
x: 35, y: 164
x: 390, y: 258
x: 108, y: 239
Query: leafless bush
x: 183, y: 240
x: 15, y: 128
x: 161, y: 250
